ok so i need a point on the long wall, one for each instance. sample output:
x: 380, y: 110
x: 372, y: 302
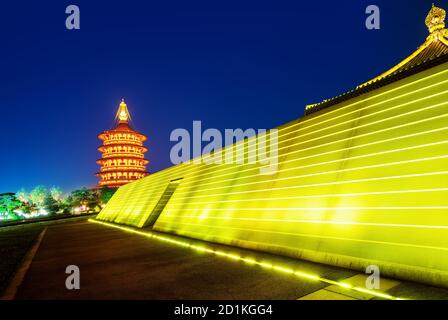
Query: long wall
x: 360, y: 183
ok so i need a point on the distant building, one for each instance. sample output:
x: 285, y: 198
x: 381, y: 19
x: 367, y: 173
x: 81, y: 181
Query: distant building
x: 122, y: 151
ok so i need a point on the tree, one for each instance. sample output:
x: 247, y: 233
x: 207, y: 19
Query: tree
x: 50, y: 204
x: 85, y: 197
x: 105, y: 194
x: 9, y: 202
x: 38, y: 195
x: 22, y: 195
x: 66, y: 204
x: 56, y: 193
x: 28, y: 207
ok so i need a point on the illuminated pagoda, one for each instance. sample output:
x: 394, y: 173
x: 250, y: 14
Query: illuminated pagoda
x: 123, y: 159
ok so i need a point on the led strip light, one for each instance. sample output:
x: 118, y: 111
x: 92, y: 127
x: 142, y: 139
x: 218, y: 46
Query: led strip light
x: 302, y: 122
x: 242, y: 143
x: 358, y: 194
x: 194, y: 234
x: 128, y: 194
x: 192, y: 171
x: 323, y: 184
x: 328, y: 172
x: 257, y: 169
x: 222, y: 152
x: 236, y: 257
x: 186, y: 170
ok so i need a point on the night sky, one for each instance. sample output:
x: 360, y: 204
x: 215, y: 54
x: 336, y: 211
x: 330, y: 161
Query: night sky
x: 230, y: 64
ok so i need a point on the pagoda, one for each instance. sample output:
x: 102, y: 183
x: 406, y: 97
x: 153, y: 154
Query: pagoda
x: 122, y: 159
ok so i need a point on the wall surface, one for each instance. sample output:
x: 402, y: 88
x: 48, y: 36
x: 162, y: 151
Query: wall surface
x: 363, y: 182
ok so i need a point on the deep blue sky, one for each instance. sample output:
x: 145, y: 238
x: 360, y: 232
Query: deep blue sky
x: 231, y: 64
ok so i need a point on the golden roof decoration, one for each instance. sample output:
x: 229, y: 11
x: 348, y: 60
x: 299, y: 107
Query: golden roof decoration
x: 435, y: 46
x: 435, y: 19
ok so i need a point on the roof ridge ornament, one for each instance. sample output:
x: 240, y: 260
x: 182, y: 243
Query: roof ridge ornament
x: 435, y: 46
x: 435, y: 19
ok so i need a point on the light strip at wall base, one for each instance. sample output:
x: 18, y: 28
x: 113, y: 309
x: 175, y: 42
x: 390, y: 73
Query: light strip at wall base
x: 236, y: 257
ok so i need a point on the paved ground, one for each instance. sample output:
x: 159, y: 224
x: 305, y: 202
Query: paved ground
x: 115, y: 264
x: 16, y: 239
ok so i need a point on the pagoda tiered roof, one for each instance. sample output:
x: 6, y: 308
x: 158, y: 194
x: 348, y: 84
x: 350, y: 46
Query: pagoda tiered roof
x: 127, y: 163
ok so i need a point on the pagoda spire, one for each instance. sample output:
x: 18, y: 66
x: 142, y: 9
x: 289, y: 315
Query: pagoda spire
x: 123, y: 115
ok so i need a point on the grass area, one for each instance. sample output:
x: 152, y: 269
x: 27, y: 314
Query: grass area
x: 14, y: 244
x: 15, y: 241
x: 43, y: 219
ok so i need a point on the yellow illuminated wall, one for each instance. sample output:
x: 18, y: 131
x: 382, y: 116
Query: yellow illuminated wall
x: 363, y: 182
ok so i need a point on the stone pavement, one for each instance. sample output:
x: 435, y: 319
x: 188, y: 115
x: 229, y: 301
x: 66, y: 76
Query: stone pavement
x: 115, y: 264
